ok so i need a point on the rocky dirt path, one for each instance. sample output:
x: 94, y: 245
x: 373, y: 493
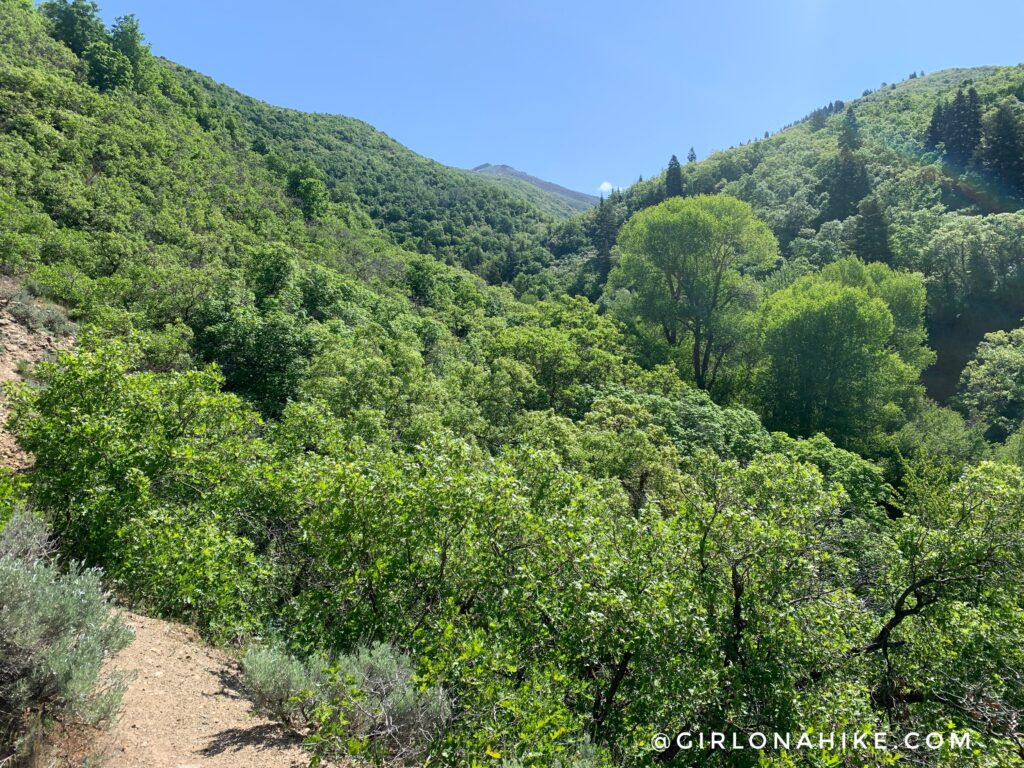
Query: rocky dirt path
x: 183, y: 708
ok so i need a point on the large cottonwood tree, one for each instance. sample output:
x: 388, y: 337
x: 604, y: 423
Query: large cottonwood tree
x: 687, y: 268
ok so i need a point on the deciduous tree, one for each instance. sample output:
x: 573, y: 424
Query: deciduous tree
x: 688, y: 267
x: 830, y: 364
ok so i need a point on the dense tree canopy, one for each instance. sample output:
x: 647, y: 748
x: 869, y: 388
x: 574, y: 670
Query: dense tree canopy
x: 701, y: 589
x: 875, y: 178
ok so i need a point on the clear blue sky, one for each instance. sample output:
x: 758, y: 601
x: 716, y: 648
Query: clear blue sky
x: 576, y: 92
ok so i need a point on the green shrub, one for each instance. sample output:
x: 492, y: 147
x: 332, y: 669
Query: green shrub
x: 187, y: 564
x: 586, y: 755
x: 1012, y: 450
x: 55, y: 631
x: 862, y: 480
x: 182, y: 555
x: 12, y: 490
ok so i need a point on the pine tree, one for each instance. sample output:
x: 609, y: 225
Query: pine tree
x: 957, y: 125
x: 871, y: 233
x: 1002, y: 152
x: 816, y: 121
x: 847, y: 185
x: 937, y: 127
x: 962, y: 128
x: 691, y: 156
x: 673, y: 179
x: 972, y: 123
x: 605, y: 231
x: 956, y: 140
x: 849, y: 136
x: 847, y: 182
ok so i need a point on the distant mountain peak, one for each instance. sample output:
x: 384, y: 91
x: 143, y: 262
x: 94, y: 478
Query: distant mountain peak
x: 568, y: 200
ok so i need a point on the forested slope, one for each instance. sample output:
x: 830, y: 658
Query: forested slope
x: 935, y: 192
x: 460, y: 217
x: 479, y: 524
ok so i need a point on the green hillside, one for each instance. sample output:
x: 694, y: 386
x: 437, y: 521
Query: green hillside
x: 457, y: 216
x: 464, y: 485
x: 424, y: 206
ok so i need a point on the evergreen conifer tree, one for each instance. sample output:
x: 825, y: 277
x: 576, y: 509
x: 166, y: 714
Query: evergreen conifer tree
x: 1002, y: 152
x: 605, y: 231
x: 972, y: 123
x: 673, y: 179
x: 849, y: 136
x: 937, y: 127
x: 871, y: 233
x: 847, y: 181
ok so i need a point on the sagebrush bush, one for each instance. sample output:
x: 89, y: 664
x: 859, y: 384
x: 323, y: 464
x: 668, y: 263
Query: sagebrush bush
x: 56, y: 628
x: 366, y: 704
x: 35, y: 314
x: 386, y: 711
x: 281, y: 686
x: 25, y: 538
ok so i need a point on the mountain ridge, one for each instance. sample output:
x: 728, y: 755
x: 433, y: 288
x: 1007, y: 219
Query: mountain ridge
x: 575, y: 201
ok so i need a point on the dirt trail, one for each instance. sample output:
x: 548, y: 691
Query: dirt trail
x: 183, y: 709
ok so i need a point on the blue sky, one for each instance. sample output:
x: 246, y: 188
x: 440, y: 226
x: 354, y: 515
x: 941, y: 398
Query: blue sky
x: 579, y: 93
